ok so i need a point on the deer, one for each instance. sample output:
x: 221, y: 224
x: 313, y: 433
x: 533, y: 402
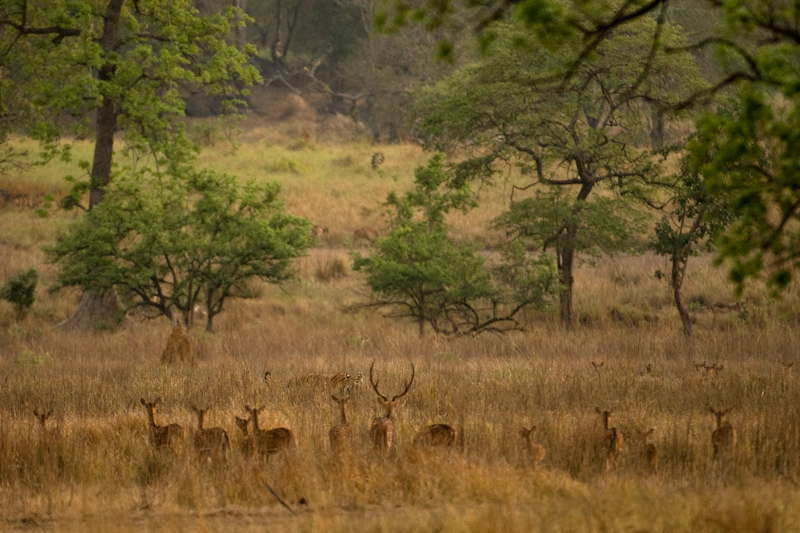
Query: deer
x: 536, y: 452
x: 648, y: 450
x: 162, y: 437
x: 723, y: 438
x: 436, y: 436
x: 42, y: 418
x: 210, y: 443
x: 318, y: 231
x: 269, y: 441
x: 382, y: 430
x: 364, y: 234
x: 341, y: 435
x: 611, y: 444
x: 247, y: 446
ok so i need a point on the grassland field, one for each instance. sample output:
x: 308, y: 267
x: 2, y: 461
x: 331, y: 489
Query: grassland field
x: 93, y: 468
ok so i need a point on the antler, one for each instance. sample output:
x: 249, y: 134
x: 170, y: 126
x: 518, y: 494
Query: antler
x: 408, y: 384
x: 375, y: 383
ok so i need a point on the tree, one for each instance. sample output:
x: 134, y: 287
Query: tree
x: 167, y: 242
x: 693, y: 216
x: 751, y: 159
x: 419, y: 272
x: 578, y: 135
x: 127, y: 64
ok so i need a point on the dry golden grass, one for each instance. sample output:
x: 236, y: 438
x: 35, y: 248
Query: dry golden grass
x: 95, y: 470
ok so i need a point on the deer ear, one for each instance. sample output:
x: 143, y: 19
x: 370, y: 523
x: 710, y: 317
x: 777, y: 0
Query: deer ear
x: 143, y: 402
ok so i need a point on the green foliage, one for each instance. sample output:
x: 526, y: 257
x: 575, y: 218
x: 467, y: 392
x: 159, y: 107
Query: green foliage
x: 419, y: 272
x: 20, y: 290
x: 749, y: 156
x: 693, y: 216
x: 134, y: 79
x: 601, y: 224
x: 171, y: 241
x: 574, y: 137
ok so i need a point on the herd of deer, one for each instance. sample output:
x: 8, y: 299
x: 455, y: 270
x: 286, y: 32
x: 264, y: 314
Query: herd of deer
x: 213, y: 444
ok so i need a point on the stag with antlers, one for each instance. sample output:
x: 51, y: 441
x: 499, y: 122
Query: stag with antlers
x: 382, y: 429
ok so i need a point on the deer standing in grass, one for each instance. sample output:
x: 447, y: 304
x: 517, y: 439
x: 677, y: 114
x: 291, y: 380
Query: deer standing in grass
x: 724, y: 437
x: 611, y: 444
x: 648, y: 450
x: 247, y: 445
x: 436, y: 436
x: 269, y: 441
x: 169, y: 436
x: 536, y: 452
x: 364, y: 234
x: 341, y: 435
x: 42, y: 417
x: 382, y: 430
x: 210, y: 443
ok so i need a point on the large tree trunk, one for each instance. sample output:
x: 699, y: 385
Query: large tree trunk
x: 657, y: 129
x: 96, y: 308
x: 567, y: 280
x: 567, y: 258
x: 677, y: 282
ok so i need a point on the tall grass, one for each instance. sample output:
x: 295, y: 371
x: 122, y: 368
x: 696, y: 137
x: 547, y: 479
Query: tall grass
x: 95, y: 470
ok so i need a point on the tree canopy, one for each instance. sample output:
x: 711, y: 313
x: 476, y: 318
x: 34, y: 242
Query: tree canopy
x: 749, y: 155
x: 579, y: 135
x: 419, y: 272
x: 170, y: 242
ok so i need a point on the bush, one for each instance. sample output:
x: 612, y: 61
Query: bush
x: 20, y: 290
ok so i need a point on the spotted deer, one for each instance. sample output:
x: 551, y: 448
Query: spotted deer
x: 382, y: 430
x: 341, y: 435
x: 318, y: 231
x: 169, y: 436
x: 269, y: 441
x: 247, y: 445
x: 611, y: 443
x: 535, y: 452
x: 364, y: 234
x: 723, y: 438
x: 648, y: 452
x: 211, y: 444
x: 436, y: 436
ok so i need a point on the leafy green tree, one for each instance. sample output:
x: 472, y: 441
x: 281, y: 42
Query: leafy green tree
x: 693, y: 216
x: 578, y: 135
x: 751, y: 158
x: 420, y: 273
x: 20, y: 290
x: 170, y: 242
x: 121, y: 66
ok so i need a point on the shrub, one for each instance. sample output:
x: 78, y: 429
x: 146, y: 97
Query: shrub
x: 20, y: 290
